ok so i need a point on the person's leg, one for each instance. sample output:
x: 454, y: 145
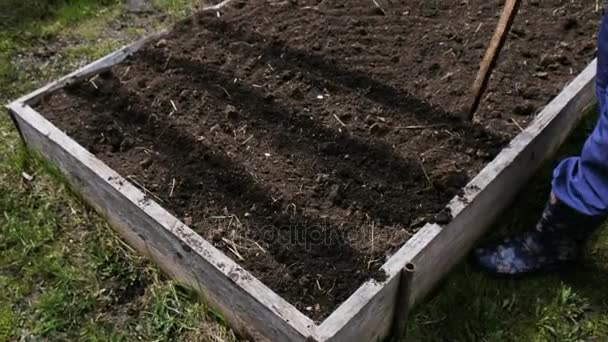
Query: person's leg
x: 582, y: 182
x: 578, y: 204
x: 556, y: 240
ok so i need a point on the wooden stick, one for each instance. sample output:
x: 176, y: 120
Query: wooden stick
x: 489, y: 60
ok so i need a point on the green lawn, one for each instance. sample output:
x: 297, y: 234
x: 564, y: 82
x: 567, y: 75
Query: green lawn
x: 570, y: 306
x: 65, y: 276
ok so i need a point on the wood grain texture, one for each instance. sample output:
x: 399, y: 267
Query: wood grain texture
x: 247, y: 304
x: 90, y: 69
x: 104, y: 63
x: 435, y: 249
x: 364, y: 315
x: 489, y: 59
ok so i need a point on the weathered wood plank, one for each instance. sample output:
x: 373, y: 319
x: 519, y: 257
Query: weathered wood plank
x: 247, y: 304
x: 104, y: 63
x: 435, y: 250
x: 368, y: 314
x: 217, y: 7
x: 90, y: 69
x: 365, y: 316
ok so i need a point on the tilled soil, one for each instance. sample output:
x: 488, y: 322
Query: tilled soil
x: 311, y: 139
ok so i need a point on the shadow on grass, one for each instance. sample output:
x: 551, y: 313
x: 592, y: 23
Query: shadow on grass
x: 567, y: 306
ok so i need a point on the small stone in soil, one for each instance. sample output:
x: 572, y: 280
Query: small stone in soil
x: 524, y: 109
x: 554, y: 60
x: 268, y: 97
x: 400, y: 237
x: 231, y: 112
x: 216, y: 235
x: 442, y: 218
x: 530, y: 93
x: 126, y: 144
x: 482, y: 154
x: 345, y: 116
x: 370, y: 120
x: 146, y: 162
x: 417, y: 222
x: 334, y: 193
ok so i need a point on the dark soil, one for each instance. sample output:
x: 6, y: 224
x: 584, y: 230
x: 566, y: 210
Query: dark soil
x: 310, y: 140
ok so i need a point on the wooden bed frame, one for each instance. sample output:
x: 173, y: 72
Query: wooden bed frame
x: 376, y: 309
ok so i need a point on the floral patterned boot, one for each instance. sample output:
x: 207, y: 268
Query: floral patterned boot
x: 557, y: 240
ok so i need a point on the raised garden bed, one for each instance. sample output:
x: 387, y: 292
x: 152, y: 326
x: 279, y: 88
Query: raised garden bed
x: 315, y: 144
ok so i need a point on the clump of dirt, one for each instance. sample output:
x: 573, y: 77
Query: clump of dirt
x: 310, y: 139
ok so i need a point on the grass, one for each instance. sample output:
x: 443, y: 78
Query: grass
x: 569, y: 306
x: 64, y: 275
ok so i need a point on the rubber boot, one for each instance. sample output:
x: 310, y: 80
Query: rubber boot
x: 556, y: 241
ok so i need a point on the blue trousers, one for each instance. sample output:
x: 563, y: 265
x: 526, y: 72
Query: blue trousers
x: 582, y: 182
